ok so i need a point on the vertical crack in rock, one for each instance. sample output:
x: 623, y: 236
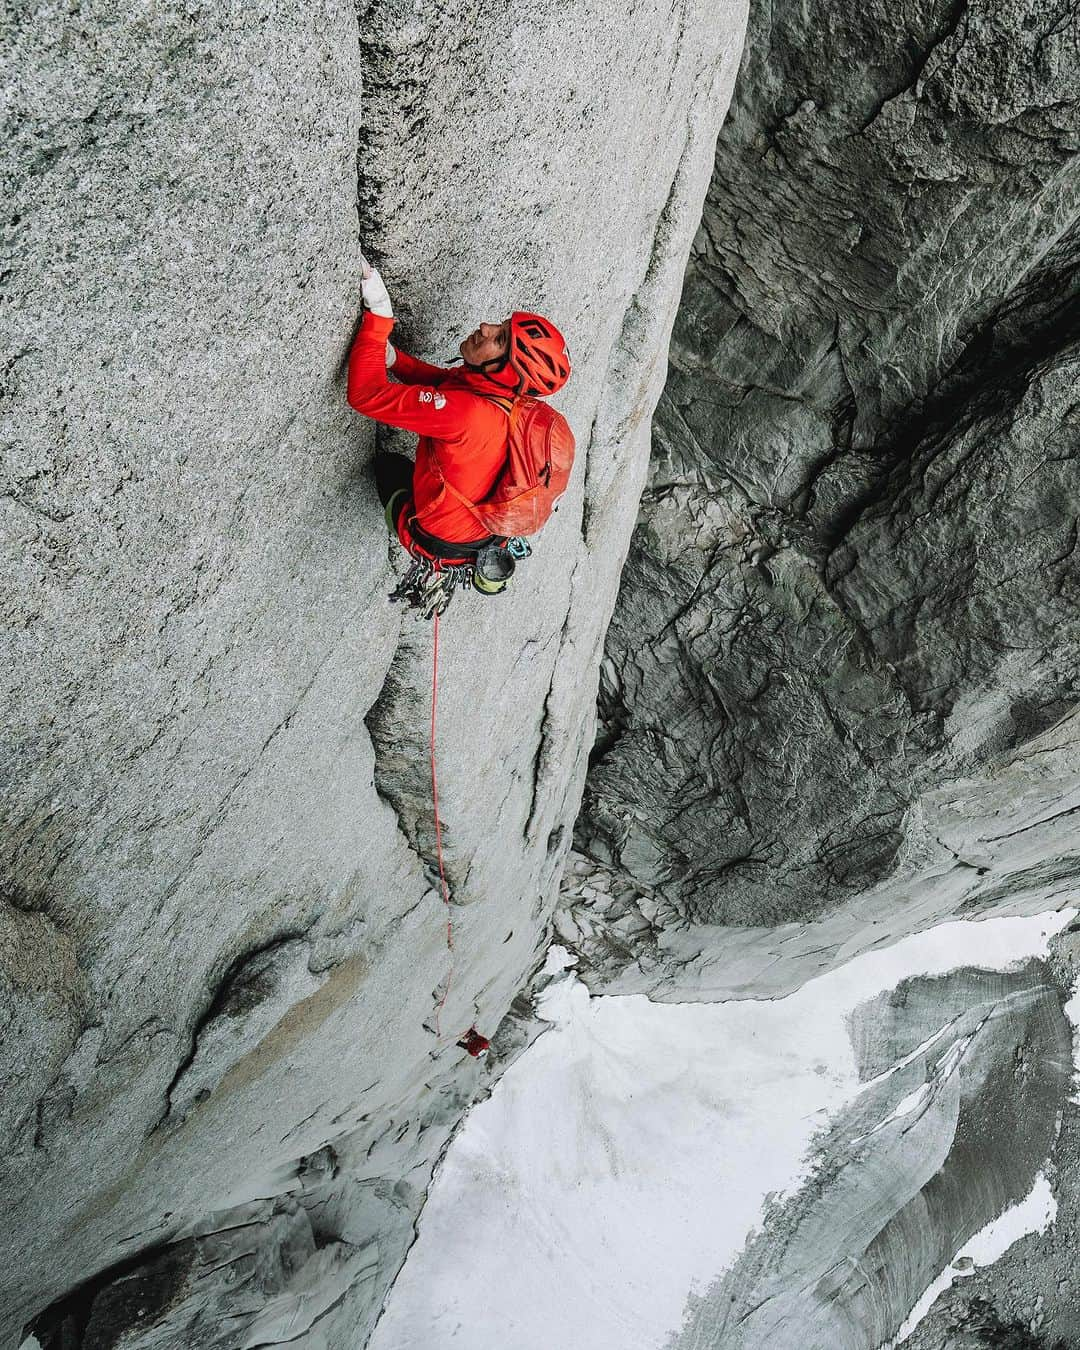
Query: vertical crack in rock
x: 402, y: 772
x: 198, y: 625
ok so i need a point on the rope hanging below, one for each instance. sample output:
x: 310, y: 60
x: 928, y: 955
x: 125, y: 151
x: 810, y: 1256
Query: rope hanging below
x: 438, y: 831
x: 472, y: 1041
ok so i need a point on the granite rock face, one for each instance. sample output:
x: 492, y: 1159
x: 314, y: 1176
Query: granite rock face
x: 221, y: 949
x: 854, y: 575
x: 835, y: 701
x: 1004, y: 842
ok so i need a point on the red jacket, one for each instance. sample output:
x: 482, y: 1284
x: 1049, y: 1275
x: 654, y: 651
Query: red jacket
x: 464, y: 435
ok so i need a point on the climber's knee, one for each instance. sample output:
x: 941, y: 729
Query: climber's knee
x: 393, y: 473
x: 393, y: 508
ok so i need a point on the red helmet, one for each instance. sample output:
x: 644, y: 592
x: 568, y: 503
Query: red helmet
x: 538, y: 354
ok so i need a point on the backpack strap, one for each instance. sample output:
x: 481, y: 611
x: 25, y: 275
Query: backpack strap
x: 506, y: 402
x: 470, y: 506
x: 509, y: 404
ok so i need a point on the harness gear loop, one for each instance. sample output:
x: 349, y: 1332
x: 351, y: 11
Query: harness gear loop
x: 429, y: 583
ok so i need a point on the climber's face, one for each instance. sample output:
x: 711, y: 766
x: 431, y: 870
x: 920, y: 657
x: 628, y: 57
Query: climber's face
x: 490, y: 342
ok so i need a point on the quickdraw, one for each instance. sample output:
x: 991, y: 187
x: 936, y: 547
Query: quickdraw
x: 428, y: 587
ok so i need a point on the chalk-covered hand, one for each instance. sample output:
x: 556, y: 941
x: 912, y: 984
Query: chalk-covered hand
x: 375, y: 294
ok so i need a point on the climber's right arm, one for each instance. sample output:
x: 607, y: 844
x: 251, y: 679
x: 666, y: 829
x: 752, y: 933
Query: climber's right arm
x: 414, y: 406
x: 408, y: 369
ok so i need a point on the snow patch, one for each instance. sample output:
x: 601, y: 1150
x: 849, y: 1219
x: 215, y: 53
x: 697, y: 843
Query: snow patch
x: 1072, y: 1012
x: 558, y: 959
x: 624, y: 1159
x: 1034, y: 1214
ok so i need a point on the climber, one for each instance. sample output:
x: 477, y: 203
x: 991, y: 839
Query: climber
x: 464, y: 419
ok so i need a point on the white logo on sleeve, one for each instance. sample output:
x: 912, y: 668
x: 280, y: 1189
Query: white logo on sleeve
x: 425, y: 396
x: 440, y: 400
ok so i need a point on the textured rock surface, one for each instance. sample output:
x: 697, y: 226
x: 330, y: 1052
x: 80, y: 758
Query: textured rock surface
x: 1006, y: 841
x: 853, y: 576
x: 837, y: 700
x: 220, y: 949
x: 1032, y: 1289
x: 955, y: 1130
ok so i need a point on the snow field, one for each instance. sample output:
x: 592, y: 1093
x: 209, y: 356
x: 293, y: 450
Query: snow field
x: 623, y: 1161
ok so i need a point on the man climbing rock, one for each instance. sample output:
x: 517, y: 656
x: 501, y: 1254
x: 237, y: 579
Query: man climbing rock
x: 491, y: 462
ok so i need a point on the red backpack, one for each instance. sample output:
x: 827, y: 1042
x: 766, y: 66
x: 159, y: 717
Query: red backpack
x: 539, y: 458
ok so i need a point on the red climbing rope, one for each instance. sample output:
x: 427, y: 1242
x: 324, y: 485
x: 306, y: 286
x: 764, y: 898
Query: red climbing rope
x: 471, y: 1040
x: 438, y: 832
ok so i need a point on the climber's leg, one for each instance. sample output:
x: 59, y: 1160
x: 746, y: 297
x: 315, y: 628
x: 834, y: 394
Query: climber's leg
x: 393, y: 481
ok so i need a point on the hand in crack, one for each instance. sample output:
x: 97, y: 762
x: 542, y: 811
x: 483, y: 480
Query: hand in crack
x: 376, y: 296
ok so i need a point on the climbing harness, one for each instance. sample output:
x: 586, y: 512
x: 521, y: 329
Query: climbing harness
x: 429, y: 584
x: 471, y: 1040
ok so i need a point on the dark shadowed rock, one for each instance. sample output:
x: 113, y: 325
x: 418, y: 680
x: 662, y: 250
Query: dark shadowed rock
x: 853, y: 575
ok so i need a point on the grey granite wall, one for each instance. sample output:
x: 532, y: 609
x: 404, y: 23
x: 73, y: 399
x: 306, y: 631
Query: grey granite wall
x: 853, y: 575
x: 220, y: 945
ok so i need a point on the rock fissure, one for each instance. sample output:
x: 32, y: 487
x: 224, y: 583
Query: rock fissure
x: 835, y: 694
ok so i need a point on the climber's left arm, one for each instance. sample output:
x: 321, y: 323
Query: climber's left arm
x: 422, y: 408
x: 411, y: 370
